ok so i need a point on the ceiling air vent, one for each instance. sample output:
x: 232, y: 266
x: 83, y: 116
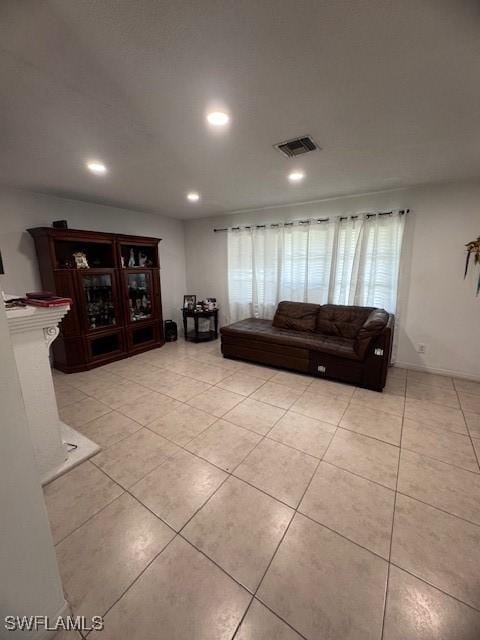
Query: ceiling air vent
x: 297, y: 146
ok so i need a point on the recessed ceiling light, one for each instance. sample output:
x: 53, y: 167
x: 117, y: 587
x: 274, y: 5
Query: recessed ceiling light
x: 296, y: 176
x: 218, y: 118
x: 193, y: 196
x: 98, y: 168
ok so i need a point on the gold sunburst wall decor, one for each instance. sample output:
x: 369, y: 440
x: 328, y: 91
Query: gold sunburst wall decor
x: 473, y: 247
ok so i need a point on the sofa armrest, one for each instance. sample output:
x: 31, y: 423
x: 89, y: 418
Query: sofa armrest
x: 373, y: 326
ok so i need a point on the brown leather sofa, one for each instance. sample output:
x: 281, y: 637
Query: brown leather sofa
x: 346, y: 343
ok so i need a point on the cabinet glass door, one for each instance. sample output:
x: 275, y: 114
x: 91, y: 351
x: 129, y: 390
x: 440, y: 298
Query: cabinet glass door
x: 98, y: 293
x: 139, y: 287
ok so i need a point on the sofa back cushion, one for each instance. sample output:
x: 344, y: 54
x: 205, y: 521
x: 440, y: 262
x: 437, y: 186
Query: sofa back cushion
x: 341, y: 320
x: 299, y: 316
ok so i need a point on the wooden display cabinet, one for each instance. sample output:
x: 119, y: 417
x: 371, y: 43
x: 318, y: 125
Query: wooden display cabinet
x: 117, y: 307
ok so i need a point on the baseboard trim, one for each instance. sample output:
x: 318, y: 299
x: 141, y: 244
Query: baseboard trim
x: 441, y: 372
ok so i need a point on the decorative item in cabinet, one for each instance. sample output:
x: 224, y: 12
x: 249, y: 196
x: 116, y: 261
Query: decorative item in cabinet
x: 139, y: 296
x: 98, y: 291
x: 138, y: 254
x: 82, y: 253
x: 81, y: 261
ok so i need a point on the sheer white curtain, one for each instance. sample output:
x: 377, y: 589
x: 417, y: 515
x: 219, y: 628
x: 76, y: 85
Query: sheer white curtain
x: 284, y: 262
x: 343, y: 261
x: 379, y: 262
x: 240, y: 273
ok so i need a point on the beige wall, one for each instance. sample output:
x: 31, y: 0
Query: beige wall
x: 437, y: 307
x: 21, y: 210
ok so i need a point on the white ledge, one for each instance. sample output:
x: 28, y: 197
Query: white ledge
x: 23, y: 319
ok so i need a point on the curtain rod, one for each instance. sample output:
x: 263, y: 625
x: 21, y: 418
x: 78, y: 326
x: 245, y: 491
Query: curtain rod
x: 289, y: 224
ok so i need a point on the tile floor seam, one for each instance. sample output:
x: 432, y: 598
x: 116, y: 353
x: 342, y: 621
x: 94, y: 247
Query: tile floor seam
x: 265, y: 436
x: 434, y: 506
x: 295, y: 512
x: 276, y: 405
x: 342, y: 535
x: 262, y: 439
x: 137, y: 499
x: 358, y: 475
x: 304, y: 415
x: 263, y: 604
x: 219, y: 566
x: 387, y: 582
x: 232, y: 474
x: 274, y: 554
x: 148, y: 426
x: 150, y: 390
x: 116, y: 441
x: 193, y: 453
x: 176, y: 532
x: 290, y: 446
x: 337, y: 466
x: 262, y: 490
x: 455, y: 466
x: 126, y: 489
x: 264, y: 382
x: 433, y: 586
x: 136, y: 579
x: 366, y: 435
x: 93, y: 514
x: 229, y: 475
x: 469, y: 435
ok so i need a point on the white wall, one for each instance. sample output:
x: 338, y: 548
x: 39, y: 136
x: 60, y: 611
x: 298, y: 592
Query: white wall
x: 29, y: 578
x: 437, y: 307
x: 21, y: 210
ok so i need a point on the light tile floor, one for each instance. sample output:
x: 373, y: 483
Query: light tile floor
x: 232, y: 500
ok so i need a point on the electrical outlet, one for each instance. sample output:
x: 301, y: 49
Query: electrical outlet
x: 421, y: 348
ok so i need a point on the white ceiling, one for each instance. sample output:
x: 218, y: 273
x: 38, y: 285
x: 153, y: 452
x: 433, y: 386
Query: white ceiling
x: 389, y: 89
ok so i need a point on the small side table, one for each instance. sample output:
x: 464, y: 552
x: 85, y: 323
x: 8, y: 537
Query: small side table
x: 196, y: 335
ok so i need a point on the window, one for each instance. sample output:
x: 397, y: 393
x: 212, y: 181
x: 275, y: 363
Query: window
x: 342, y: 261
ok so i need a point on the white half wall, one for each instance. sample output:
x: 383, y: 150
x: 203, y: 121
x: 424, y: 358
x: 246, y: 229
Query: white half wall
x: 437, y: 307
x: 21, y: 210
x: 29, y: 578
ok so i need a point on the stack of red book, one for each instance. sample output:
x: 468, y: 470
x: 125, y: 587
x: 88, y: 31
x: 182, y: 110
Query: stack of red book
x: 45, y: 299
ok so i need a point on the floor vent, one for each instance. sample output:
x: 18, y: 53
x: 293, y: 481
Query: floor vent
x: 297, y: 146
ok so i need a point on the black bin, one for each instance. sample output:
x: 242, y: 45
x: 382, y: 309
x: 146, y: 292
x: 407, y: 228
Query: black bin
x: 171, y: 333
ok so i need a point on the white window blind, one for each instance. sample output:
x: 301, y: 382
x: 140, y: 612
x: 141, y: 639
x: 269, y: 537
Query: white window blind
x: 342, y: 261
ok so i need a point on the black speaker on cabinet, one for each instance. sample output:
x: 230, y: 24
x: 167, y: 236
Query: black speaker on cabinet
x: 170, y: 331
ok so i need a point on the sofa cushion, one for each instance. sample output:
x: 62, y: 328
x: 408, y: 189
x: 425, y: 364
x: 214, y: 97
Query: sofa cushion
x: 299, y: 316
x: 341, y: 320
x: 261, y: 331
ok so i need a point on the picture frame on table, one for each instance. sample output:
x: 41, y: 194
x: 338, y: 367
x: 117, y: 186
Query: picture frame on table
x: 189, y: 301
